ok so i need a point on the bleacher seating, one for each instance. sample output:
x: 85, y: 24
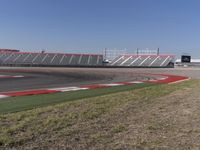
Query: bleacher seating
x: 142, y: 60
x: 49, y: 59
x: 16, y: 58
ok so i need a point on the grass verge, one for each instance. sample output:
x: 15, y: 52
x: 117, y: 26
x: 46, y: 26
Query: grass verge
x: 14, y: 104
x: 85, y: 124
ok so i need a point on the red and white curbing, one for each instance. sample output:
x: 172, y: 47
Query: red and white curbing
x: 67, y: 89
x: 167, y: 79
x: 9, y: 76
x: 3, y: 96
x: 62, y: 89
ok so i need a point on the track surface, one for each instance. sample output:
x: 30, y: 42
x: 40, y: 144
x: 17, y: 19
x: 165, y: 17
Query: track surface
x: 36, y: 78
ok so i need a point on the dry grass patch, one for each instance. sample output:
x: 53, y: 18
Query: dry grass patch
x: 93, y: 123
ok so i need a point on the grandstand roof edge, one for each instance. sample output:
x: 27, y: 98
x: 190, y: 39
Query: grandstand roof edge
x: 52, y: 53
x: 148, y: 55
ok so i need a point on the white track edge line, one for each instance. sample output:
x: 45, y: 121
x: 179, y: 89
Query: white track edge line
x: 180, y: 81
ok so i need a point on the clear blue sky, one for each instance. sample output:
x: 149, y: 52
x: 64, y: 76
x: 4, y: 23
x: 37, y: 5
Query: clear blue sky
x: 91, y: 25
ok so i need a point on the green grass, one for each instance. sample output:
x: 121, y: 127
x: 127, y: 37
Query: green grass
x: 73, y: 119
x: 14, y: 104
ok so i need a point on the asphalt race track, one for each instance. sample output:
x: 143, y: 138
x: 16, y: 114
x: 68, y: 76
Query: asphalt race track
x: 21, y: 78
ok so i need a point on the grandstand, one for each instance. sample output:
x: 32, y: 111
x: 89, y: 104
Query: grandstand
x: 13, y: 58
x: 16, y: 58
x: 143, y: 60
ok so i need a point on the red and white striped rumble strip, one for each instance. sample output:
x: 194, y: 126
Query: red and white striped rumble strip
x: 166, y: 79
x: 67, y: 89
x: 9, y: 76
x: 61, y: 89
x: 3, y: 96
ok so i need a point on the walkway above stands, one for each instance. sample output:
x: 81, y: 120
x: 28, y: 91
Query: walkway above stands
x: 143, y: 61
x: 49, y: 59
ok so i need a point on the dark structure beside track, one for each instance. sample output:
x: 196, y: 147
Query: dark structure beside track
x: 187, y: 61
x: 42, y: 59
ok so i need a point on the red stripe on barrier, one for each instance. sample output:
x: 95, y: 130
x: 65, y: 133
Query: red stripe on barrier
x: 146, y: 55
x: 49, y: 53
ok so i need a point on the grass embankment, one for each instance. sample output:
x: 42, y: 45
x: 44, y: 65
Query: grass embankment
x: 84, y: 124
